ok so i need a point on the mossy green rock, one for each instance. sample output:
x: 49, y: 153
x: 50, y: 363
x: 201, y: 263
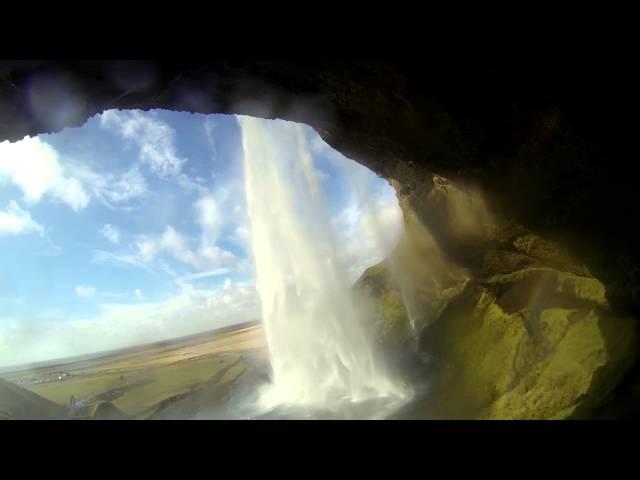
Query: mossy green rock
x: 409, y: 292
x: 526, y: 364
x: 517, y: 327
x: 554, y: 385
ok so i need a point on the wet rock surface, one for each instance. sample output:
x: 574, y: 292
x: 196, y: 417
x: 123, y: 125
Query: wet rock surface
x: 520, y: 328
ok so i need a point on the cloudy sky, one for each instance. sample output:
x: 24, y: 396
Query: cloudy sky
x: 133, y: 228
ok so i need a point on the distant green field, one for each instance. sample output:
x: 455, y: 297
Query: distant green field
x: 140, y: 382
x: 80, y: 387
x: 165, y: 382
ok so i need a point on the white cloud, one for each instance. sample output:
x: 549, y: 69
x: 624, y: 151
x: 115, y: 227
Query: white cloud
x: 110, y: 188
x: 88, y: 291
x: 370, y: 225
x: 241, y: 236
x: 164, y: 267
x: 130, y: 185
x: 209, y: 128
x: 147, y: 248
x: 209, y: 125
x: 171, y: 242
x: 34, y: 166
x: 121, y: 325
x: 367, y: 234
x: 209, y: 217
x: 111, y: 233
x: 14, y: 221
x: 37, y: 169
x: 216, y: 256
x: 121, y: 260
x: 190, y: 185
x: 147, y: 252
x: 222, y: 216
x: 138, y: 294
x: 154, y: 139
x: 186, y: 279
x: 221, y: 212
x: 84, y: 291
x: 71, y: 192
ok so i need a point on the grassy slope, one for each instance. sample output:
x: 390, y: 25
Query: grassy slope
x: 136, y: 381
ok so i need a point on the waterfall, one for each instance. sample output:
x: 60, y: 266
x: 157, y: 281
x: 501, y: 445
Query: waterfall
x: 322, y: 354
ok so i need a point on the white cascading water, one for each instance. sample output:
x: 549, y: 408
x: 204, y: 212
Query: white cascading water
x: 322, y: 356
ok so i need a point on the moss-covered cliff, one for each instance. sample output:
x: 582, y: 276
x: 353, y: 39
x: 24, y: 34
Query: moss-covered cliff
x: 521, y: 330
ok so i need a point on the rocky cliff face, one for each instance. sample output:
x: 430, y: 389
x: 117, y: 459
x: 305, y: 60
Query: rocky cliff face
x: 519, y: 328
x: 541, y: 203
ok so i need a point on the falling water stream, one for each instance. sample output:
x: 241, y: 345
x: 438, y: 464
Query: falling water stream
x: 323, y: 357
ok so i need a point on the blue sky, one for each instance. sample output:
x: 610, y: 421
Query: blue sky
x: 133, y: 228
